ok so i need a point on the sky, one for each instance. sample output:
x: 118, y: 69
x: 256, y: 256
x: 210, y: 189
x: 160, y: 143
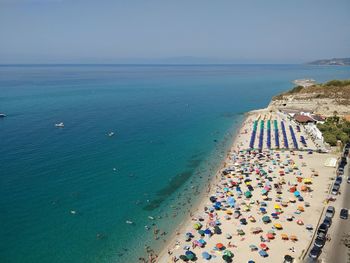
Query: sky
x: 173, y: 31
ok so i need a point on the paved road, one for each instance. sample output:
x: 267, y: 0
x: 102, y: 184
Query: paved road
x: 338, y: 249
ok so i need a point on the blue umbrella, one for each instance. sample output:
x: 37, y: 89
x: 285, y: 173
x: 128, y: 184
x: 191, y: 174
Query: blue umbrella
x: 296, y: 193
x: 231, y: 201
x: 206, y: 255
x: 207, y: 232
x: 202, y: 241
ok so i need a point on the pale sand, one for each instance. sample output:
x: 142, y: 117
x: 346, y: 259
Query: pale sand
x: 277, y: 247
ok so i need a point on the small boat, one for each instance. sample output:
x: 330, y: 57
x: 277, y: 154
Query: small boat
x: 2, y: 115
x: 129, y: 222
x: 151, y: 217
x: 59, y: 125
x: 110, y: 134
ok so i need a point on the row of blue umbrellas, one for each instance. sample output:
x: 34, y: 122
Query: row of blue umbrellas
x: 293, y: 137
x: 268, y: 142
x: 252, y: 138
x: 261, y: 137
x: 285, y: 140
x: 277, y: 141
x: 302, y: 139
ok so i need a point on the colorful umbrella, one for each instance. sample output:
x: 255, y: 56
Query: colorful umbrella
x: 219, y: 246
x: 206, y: 255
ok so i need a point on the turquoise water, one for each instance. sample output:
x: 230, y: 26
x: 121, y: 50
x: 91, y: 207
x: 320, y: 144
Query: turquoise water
x: 172, y: 124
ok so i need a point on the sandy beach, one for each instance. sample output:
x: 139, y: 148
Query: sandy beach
x: 263, y: 204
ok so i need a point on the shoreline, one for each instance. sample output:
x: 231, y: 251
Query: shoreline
x: 202, y: 199
x: 237, y: 144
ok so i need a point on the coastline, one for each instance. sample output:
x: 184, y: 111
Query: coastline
x: 205, y: 194
x: 202, y: 199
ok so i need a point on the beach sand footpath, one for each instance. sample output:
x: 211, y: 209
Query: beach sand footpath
x: 261, y: 205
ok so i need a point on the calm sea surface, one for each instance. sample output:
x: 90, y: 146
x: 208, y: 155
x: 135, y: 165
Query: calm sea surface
x: 66, y: 193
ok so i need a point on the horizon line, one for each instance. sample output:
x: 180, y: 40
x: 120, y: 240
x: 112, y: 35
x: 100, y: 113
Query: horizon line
x: 143, y: 64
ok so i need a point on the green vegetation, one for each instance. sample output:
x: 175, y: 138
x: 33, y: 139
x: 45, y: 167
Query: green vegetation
x: 334, y: 129
x: 337, y: 83
x: 338, y: 90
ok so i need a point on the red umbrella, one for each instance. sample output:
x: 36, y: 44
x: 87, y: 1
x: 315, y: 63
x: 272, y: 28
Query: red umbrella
x: 219, y: 245
x: 270, y: 236
x: 263, y: 246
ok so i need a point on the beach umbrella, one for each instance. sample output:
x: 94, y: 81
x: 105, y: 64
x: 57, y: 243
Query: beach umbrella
x: 270, y: 236
x: 187, y: 237
x: 293, y: 237
x: 217, y: 230
x: 197, y: 226
x: 197, y: 243
x: 296, y: 193
x: 184, y: 258
x: 248, y: 194
x: 278, y: 226
x: 266, y: 219
x: 226, y: 258
x: 231, y: 201
x: 243, y: 221
x: 253, y: 247
x: 284, y: 236
x: 207, y: 232
x: 301, y: 208
x: 251, y: 261
x: 212, y: 199
x: 202, y: 241
x: 190, y: 255
x: 307, y: 181
x: 189, y: 234
x: 201, y: 232
x: 300, y: 222
x: 276, y: 206
x: 274, y: 215
x: 206, y: 255
x: 228, y: 253
x: 228, y: 236
x: 229, y: 212
x: 240, y: 232
x: 263, y: 246
x: 219, y: 246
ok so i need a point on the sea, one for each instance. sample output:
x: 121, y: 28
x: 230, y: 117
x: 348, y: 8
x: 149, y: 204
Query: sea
x: 67, y: 193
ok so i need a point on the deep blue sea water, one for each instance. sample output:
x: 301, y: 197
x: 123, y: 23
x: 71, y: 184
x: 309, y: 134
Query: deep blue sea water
x: 172, y: 127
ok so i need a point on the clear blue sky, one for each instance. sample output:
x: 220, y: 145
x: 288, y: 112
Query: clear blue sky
x: 118, y: 31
